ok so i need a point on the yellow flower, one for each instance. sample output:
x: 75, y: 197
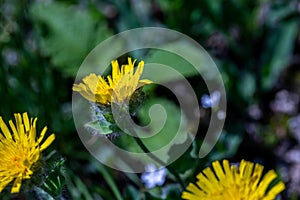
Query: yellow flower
x: 234, y: 183
x: 117, y: 88
x: 20, y: 150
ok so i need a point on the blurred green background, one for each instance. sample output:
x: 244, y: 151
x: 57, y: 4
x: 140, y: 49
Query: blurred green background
x: 255, y: 44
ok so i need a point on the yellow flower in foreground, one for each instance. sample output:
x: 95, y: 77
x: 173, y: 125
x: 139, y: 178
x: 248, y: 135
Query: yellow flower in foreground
x: 20, y: 150
x: 117, y: 88
x: 234, y: 183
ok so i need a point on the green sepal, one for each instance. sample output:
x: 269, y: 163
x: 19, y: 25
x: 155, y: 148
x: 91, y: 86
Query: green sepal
x: 55, y: 180
x: 101, y: 127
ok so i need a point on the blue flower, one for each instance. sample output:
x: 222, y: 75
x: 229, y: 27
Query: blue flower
x: 154, y: 177
x: 212, y: 100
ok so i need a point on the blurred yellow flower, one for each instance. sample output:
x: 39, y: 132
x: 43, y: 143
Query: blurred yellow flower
x: 20, y: 150
x: 234, y: 183
x: 117, y: 88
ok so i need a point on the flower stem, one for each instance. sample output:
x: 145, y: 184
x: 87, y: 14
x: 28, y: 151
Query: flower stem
x: 151, y: 155
x: 110, y: 182
x: 125, y: 120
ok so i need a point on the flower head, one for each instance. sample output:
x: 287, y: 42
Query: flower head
x: 20, y: 150
x: 116, y: 88
x: 234, y: 182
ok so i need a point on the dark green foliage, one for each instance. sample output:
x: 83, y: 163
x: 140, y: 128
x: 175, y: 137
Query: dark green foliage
x: 254, y: 43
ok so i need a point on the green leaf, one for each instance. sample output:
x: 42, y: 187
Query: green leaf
x: 149, y: 196
x: 247, y: 86
x: 180, y: 64
x: 163, y: 127
x: 110, y: 181
x: 171, y: 60
x: 168, y: 192
x: 282, y: 12
x: 131, y: 193
x: 227, y: 146
x: 170, y: 128
x: 66, y: 34
x: 186, y: 161
x: 172, y: 191
x: 281, y: 46
x: 82, y: 190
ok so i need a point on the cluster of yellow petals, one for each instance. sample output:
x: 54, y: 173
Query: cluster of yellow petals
x: 235, y: 183
x: 20, y: 150
x: 117, y: 88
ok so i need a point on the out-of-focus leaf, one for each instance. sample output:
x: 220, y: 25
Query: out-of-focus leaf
x: 135, y: 179
x: 226, y: 147
x: 170, y: 128
x: 279, y: 13
x: 171, y: 60
x: 172, y: 191
x: 280, y: 46
x: 246, y: 86
x: 185, y: 162
x: 110, y: 181
x: 168, y: 192
x: 175, y: 61
x: 42, y: 194
x: 149, y: 196
x: 131, y: 193
x: 67, y: 34
x: 82, y: 189
x: 163, y: 136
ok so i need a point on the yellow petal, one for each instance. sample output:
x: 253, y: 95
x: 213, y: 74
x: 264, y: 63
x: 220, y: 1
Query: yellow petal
x: 279, y: 187
x: 47, y: 142
x: 42, y: 135
x: 17, y: 184
x: 144, y: 82
x: 86, y: 94
x: 91, y: 81
x: 32, y: 135
x: 210, y: 175
x: 115, y: 70
x: 267, y: 179
x: 218, y: 169
x: 4, y: 182
x: 13, y: 128
x: 248, y: 170
x: 258, y: 170
x: 20, y: 127
x: 194, y: 189
x: 5, y: 129
x: 26, y: 122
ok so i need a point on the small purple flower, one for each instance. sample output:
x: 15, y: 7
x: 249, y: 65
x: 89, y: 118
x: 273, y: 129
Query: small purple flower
x: 255, y: 112
x: 294, y: 126
x: 285, y: 102
x: 293, y: 156
x: 154, y: 177
x: 212, y: 100
x: 11, y: 56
